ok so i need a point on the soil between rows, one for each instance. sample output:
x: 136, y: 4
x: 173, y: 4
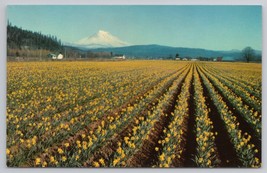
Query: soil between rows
x: 146, y: 155
x: 111, y: 145
x: 227, y: 153
x: 243, y: 124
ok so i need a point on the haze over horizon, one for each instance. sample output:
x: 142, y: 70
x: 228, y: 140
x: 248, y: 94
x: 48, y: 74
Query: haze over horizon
x: 207, y: 27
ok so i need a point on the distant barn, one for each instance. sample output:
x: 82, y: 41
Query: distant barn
x: 60, y: 56
x: 119, y: 57
x: 54, y: 56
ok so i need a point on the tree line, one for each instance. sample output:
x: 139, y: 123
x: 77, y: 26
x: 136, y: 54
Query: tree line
x: 34, y: 43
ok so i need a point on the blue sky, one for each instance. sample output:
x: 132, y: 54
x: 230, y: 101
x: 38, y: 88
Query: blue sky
x: 208, y: 27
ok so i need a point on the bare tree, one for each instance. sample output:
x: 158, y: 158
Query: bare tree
x: 248, y: 54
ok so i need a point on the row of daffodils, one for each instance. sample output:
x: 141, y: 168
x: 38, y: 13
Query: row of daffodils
x: 115, y: 114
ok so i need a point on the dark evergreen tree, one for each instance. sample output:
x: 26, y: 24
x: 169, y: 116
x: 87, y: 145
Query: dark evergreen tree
x: 18, y: 38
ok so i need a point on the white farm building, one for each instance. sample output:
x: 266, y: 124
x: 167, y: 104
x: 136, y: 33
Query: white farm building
x: 120, y: 57
x: 54, y: 56
x: 60, y: 56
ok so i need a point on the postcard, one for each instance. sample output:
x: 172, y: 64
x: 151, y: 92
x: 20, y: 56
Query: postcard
x: 130, y: 86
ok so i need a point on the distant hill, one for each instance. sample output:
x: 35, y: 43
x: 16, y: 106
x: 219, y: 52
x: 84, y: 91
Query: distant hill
x: 158, y: 51
x: 105, y: 42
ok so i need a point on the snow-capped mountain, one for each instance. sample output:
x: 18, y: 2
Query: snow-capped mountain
x: 101, y: 39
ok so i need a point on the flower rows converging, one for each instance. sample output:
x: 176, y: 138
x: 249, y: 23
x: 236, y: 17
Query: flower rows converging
x: 133, y: 114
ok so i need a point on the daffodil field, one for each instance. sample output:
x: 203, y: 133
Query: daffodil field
x: 133, y: 114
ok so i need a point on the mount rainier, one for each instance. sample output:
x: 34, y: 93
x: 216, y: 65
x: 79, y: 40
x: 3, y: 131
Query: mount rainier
x: 101, y: 39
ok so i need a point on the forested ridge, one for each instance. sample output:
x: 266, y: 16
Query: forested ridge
x: 20, y: 41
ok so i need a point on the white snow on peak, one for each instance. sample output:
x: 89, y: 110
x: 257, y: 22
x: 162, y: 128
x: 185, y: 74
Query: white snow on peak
x: 102, y: 32
x: 101, y: 39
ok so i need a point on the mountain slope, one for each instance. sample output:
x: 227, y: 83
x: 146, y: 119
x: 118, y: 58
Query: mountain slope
x: 101, y: 39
